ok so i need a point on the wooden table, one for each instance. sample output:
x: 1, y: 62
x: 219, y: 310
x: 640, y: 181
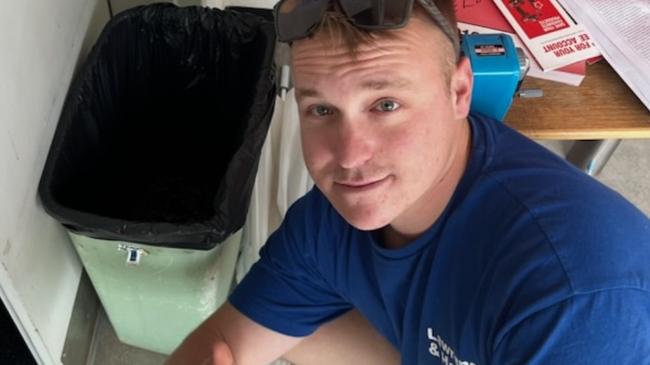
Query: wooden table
x: 600, y: 112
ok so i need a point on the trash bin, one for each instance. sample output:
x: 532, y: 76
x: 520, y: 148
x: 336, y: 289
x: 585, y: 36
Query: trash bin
x: 153, y: 162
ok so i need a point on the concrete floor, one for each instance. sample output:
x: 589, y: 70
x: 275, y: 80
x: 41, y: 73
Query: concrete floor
x: 108, y: 350
x: 628, y: 172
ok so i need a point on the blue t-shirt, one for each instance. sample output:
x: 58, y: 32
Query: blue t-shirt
x: 532, y: 262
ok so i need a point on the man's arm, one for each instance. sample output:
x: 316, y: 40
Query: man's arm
x: 606, y: 327
x: 247, y: 342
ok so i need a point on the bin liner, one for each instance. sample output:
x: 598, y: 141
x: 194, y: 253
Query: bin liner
x: 162, y: 128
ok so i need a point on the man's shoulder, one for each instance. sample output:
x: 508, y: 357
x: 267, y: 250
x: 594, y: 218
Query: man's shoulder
x: 546, y: 235
x: 597, y: 238
x: 549, y: 187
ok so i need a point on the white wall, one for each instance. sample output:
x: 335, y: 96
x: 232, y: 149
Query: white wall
x: 251, y: 3
x: 121, y: 5
x: 40, y: 42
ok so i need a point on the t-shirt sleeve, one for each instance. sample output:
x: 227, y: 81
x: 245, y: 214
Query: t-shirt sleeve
x: 286, y: 290
x: 607, y: 327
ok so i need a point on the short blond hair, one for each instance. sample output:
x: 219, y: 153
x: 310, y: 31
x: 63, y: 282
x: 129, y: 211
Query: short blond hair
x: 340, y: 30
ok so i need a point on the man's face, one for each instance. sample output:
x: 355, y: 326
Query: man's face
x: 379, y: 131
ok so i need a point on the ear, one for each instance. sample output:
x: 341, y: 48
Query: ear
x: 462, y: 81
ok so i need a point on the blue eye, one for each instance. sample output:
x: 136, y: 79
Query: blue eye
x: 320, y: 111
x: 387, y: 106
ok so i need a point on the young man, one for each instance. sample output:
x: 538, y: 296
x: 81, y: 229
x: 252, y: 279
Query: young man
x: 430, y: 237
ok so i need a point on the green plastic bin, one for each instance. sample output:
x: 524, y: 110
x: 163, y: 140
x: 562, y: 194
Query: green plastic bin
x: 156, y: 302
x: 154, y: 159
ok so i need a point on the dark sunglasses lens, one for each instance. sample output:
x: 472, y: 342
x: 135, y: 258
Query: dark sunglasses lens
x: 296, y: 18
x: 377, y: 13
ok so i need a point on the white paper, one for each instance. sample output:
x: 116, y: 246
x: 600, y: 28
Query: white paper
x: 622, y: 30
x: 553, y: 39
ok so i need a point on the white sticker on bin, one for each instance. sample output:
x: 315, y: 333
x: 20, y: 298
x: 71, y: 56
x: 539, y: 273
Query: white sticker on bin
x: 133, y: 254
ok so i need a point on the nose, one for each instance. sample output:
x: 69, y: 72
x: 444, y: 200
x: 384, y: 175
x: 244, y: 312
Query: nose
x: 355, y: 146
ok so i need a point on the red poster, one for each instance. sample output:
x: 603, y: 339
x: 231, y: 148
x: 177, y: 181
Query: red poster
x: 536, y: 17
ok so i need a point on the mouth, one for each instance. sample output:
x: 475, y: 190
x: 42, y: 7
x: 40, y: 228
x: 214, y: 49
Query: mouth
x: 360, y: 186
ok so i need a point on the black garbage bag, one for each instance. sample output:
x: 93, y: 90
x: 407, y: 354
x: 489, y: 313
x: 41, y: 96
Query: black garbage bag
x: 161, y: 132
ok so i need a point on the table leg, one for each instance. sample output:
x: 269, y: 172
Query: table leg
x: 592, y: 155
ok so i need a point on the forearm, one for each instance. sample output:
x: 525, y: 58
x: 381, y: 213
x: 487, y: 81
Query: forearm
x: 228, y: 337
x: 198, y: 348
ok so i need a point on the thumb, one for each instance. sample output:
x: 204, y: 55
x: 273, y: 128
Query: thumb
x: 221, y: 354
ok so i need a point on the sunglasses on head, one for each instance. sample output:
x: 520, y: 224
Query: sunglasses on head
x: 297, y: 19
